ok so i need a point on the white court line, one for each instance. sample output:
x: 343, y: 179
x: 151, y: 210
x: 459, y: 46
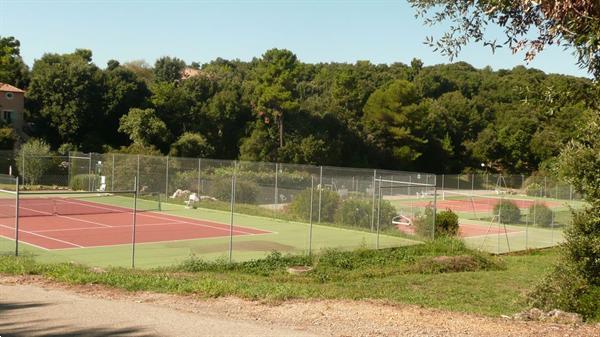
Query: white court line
x: 47, y: 237
x: 88, y: 221
x: 200, y: 225
x: 164, y: 241
x: 31, y: 244
x: 86, y: 228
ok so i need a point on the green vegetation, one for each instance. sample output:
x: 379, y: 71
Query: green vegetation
x: 276, y: 108
x: 440, y: 274
x: 507, y: 211
x: 541, y: 214
x: 446, y: 223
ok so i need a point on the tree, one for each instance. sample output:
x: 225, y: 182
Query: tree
x: 274, y: 91
x: 7, y: 138
x: 396, y: 107
x: 573, y: 23
x: 192, y: 145
x: 124, y: 90
x: 144, y: 127
x: 168, y: 69
x: 12, y: 68
x: 65, y: 99
x: 31, y: 161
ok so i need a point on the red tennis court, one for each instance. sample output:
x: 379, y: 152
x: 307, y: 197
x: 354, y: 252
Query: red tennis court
x: 108, y: 225
x: 480, y: 204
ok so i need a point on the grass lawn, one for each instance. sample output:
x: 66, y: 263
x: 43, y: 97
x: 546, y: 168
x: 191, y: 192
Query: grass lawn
x: 480, y: 284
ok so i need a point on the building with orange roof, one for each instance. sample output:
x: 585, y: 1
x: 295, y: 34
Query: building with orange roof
x: 12, y: 106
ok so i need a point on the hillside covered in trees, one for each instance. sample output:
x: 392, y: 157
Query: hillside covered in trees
x: 442, y: 118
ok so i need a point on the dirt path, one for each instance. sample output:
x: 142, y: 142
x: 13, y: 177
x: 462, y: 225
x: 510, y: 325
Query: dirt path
x: 36, y: 307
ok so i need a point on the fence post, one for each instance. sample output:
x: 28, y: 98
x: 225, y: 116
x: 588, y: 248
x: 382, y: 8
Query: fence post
x: 570, y: 192
x: 434, y: 210
x: 89, y: 172
x: 137, y: 174
x: 373, y: 204
x: 112, y: 175
x: 472, y: 182
x: 277, y: 192
x: 320, y: 193
x: 23, y: 166
x: 443, y: 178
x: 233, y: 178
x: 17, y: 217
x: 199, y: 176
x: 135, y: 195
x: 310, y: 229
x: 167, y: 179
x: 378, y: 214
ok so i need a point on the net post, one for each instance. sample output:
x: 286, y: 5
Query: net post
x: 17, y: 217
x: 320, y: 193
x: 310, y: 229
x: 373, y: 203
x: 233, y: 181
x: 134, y: 220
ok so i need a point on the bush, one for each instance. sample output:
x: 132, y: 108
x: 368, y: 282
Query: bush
x: 507, y: 212
x: 36, y: 165
x: 186, y: 180
x: 424, y: 223
x: 540, y: 214
x: 300, y: 206
x: 446, y: 223
x: 82, y: 182
x: 357, y: 212
x: 354, y: 212
x: 534, y: 190
x: 245, y: 191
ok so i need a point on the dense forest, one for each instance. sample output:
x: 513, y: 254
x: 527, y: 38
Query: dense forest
x: 442, y: 118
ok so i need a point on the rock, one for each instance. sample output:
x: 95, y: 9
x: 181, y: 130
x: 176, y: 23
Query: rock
x: 297, y: 270
x: 562, y: 317
x: 553, y: 316
x: 97, y: 270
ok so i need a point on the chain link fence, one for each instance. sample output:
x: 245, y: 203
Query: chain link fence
x: 236, y: 210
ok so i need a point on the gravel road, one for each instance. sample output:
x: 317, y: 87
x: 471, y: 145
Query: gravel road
x: 32, y: 306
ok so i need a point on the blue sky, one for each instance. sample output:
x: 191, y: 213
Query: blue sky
x: 382, y: 31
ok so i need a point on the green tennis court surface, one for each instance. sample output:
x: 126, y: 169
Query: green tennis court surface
x: 285, y: 236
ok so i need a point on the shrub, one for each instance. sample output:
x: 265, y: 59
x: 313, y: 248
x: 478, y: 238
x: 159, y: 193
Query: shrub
x: 357, y: 212
x: 36, y: 165
x: 540, y: 214
x: 300, y: 206
x: 446, y: 223
x: 424, y: 223
x: 186, y: 180
x: 193, y: 145
x: 82, y: 182
x: 245, y: 191
x: 354, y: 212
x: 534, y: 190
x: 507, y: 211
